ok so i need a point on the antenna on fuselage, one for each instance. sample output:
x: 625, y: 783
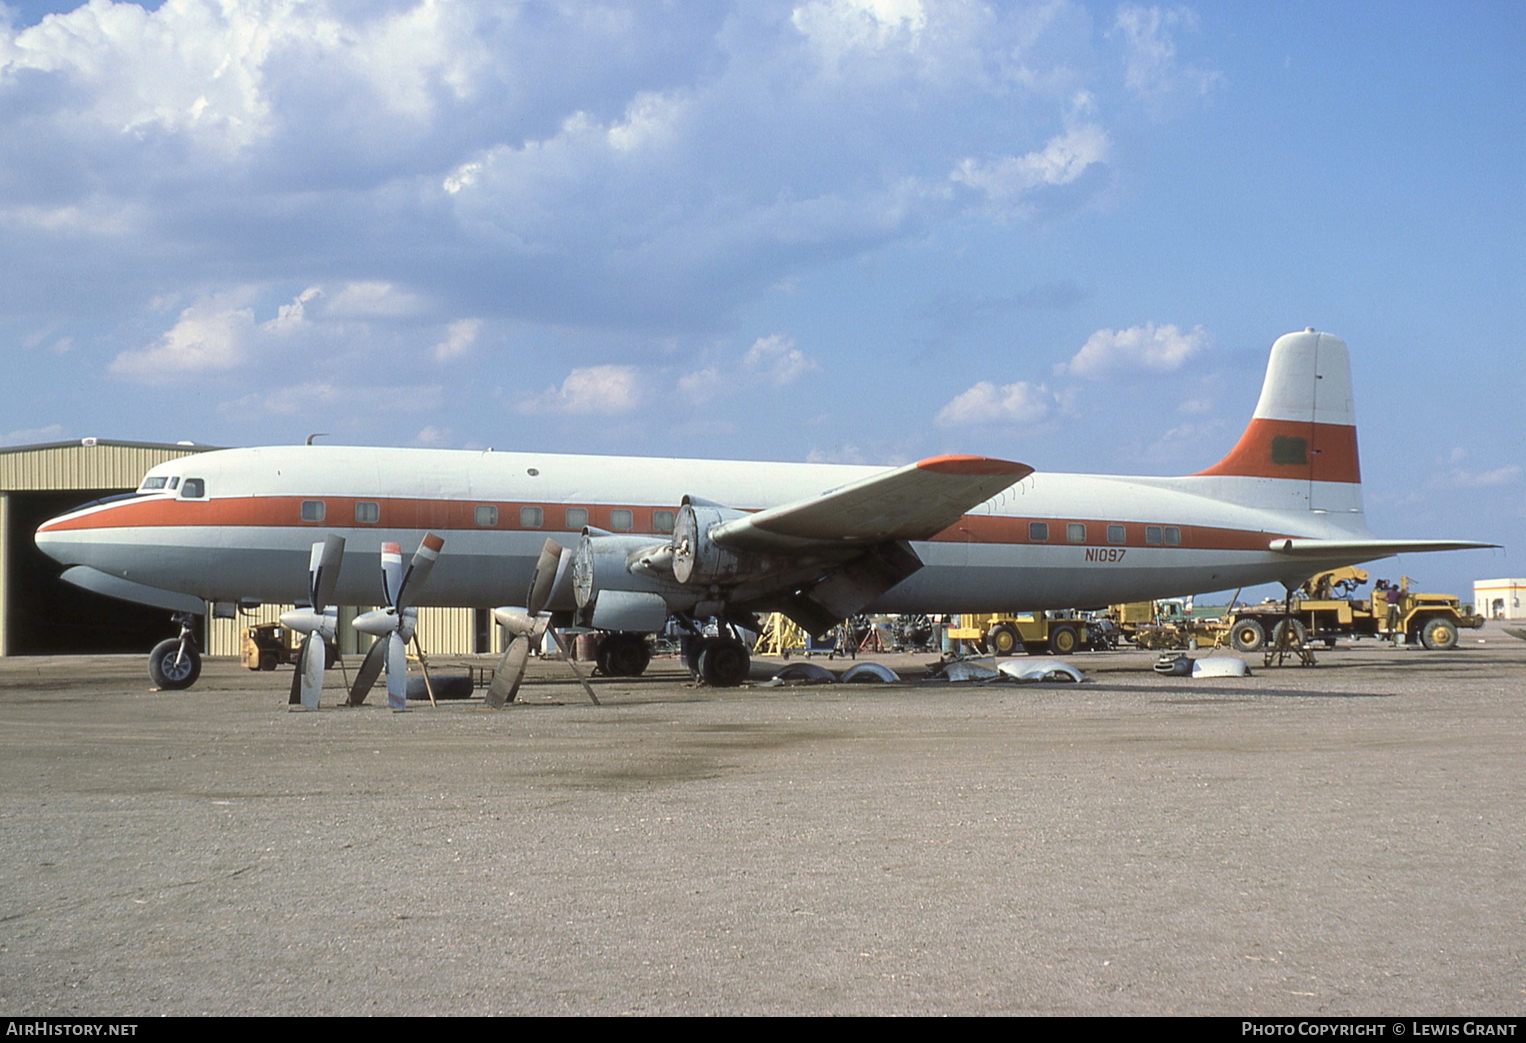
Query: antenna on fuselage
x: 316, y: 434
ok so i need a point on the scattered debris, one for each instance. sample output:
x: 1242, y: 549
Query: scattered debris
x: 1174, y: 664
x: 805, y: 673
x: 1220, y: 666
x: 870, y: 673
x: 1031, y: 670
x: 962, y: 670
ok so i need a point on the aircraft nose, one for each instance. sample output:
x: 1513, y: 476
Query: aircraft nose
x: 56, y: 542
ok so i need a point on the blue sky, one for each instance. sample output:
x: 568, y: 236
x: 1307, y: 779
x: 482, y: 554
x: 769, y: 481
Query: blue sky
x: 857, y: 230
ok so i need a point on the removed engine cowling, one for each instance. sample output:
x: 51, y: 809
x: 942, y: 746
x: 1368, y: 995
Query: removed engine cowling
x: 618, y: 583
x: 698, y: 560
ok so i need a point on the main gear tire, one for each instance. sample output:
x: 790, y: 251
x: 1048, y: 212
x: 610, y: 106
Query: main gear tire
x: 724, y: 663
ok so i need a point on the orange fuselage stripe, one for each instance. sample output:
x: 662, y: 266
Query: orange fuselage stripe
x: 446, y: 515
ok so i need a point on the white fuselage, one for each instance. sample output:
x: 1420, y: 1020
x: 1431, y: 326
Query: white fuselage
x: 248, y: 535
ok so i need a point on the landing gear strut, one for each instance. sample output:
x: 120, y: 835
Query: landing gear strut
x: 175, y: 663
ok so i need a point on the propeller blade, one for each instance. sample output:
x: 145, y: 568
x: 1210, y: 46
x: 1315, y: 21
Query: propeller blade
x: 397, y: 672
x: 323, y: 573
x: 511, y: 670
x: 544, y: 578
x: 370, y: 670
x: 314, y: 654
x: 392, y: 573
x: 419, y: 569
x: 295, y: 698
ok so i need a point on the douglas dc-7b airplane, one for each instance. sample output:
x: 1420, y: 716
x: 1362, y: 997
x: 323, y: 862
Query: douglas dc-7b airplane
x: 818, y: 542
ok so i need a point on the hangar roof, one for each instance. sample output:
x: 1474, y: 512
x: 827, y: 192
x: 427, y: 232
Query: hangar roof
x: 85, y: 463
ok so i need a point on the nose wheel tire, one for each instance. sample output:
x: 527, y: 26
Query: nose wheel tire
x: 169, y: 669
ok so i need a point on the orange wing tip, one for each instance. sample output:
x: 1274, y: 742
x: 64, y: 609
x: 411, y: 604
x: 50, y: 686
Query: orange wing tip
x: 392, y: 548
x: 974, y: 465
x: 433, y: 542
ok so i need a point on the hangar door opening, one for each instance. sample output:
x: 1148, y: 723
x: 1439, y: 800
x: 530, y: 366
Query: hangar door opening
x: 46, y: 616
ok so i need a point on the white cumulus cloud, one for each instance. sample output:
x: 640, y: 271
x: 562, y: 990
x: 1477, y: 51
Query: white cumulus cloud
x: 1007, y: 183
x: 210, y: 336
x: 459, y: 338
x: 1152, y: 70
x: 776, y: 359
x: 988, y: 403
x: 591, y: 390
x: 1148, y: 348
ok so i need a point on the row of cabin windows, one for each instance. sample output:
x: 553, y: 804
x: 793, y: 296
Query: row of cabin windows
x: 1075, y: 532
x: 485, y: 515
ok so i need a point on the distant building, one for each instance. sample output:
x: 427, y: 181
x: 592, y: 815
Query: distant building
x: 1500, y: 598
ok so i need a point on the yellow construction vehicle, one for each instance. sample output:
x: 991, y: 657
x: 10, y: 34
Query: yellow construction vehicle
x: 1164, y: 624
x: 1323, y: 610
x: 1037, y: 633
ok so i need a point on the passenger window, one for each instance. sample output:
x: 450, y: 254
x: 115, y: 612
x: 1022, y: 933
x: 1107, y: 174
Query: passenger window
x: 531, y: 517
x: 621, y: 519
x: 312, y: 510
x: 367, y: 513
x: 1075, y: 532
x: 1152, y: 535
x: 1038, y: 532
x: 577, y: 518
x: 662, y: 521
x: 194, y: 488
x: 486, y: 516
x: 1173, y: 536
x: 1115, y: 534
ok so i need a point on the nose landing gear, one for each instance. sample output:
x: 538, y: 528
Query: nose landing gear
x: 175, y: 663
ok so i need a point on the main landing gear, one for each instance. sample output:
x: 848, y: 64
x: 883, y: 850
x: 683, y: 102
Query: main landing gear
x: 623, y: 654
x: 720, y: 660
x: 175, y: 663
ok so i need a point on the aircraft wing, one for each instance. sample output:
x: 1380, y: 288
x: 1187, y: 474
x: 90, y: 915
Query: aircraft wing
x: 1369, y: 548
x: 913, y: 502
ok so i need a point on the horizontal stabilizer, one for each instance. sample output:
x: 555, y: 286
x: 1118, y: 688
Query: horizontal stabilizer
x: 913, y: 502
x: 1367, y: 550
x: 138, y: 593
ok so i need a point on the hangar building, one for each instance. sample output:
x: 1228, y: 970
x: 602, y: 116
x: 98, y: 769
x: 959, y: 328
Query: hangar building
x: 42, y: 615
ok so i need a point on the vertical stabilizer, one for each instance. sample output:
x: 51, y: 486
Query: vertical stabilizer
x: 1304, y: 428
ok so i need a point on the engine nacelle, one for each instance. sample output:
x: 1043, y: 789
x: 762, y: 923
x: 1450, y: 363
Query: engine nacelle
x: 699, y: 561
x: 616, y: 588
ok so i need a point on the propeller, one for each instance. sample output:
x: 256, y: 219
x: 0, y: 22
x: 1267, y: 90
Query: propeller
x: 528, y: 628
x: 393, y: 626
x: 320, y: 622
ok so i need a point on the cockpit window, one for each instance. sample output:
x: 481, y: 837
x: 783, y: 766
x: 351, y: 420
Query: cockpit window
x: 150, y: 484
x: 175, y: 481
x: 194, y: 488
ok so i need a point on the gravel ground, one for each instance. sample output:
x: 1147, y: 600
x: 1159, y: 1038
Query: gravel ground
x: 1342, y: 839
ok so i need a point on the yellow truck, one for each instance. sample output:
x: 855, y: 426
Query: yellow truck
x: 1324, y: 611
x: 1037, y: 633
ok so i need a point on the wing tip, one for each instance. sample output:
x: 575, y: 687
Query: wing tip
x: 973, y: 465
